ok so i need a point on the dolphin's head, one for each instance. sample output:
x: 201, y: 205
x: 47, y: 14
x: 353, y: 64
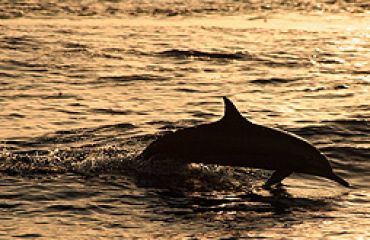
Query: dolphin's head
x: 314, y: 162
x: 318, y: 164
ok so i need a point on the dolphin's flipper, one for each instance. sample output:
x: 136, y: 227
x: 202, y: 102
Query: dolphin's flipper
x: 277, y: 177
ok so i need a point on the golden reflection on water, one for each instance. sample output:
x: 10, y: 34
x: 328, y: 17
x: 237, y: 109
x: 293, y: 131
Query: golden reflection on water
x: 97, y: 72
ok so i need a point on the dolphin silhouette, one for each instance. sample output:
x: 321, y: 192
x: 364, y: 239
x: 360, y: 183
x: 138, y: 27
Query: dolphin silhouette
x: 235, y: 141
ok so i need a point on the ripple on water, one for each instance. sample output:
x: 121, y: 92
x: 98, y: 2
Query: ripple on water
x: 204, y: 55
x: 11, y: 64
x: 274, y: 80
x: 134, y: 77
x: 29, y: 235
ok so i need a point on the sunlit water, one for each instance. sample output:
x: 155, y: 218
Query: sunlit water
x: 84, y: 87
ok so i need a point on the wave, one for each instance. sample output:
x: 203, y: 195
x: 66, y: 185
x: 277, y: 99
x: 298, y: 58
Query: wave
x: 274, y: 80
x: 17, y: 63
x: 133, y: 77
x: 292, y: 63
x: 112, y: 111
x: 340, y: 127
x: 204, y: 55
x: 7, y: 75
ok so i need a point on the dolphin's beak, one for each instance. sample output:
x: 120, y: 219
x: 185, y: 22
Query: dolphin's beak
x: 339, y: 180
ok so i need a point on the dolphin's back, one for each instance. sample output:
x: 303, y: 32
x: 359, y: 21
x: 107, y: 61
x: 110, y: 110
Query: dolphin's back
x: 224, y: 143
x: 184, y: 143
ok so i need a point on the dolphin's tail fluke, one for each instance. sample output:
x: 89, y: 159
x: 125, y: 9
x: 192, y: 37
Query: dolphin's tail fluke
x: 339, y: 180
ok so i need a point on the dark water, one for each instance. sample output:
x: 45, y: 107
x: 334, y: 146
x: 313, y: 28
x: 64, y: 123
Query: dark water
x: 86, y: 86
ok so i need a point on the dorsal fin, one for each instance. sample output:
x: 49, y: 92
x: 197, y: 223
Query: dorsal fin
x: 231, y: 112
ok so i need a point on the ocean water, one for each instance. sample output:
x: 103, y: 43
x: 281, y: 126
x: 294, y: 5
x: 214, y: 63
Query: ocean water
x: 86, y: 86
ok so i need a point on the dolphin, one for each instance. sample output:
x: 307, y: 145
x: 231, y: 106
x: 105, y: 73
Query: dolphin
x: 235, y: 141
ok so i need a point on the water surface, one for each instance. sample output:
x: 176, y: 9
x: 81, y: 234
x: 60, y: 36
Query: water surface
x: 84, y: 88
